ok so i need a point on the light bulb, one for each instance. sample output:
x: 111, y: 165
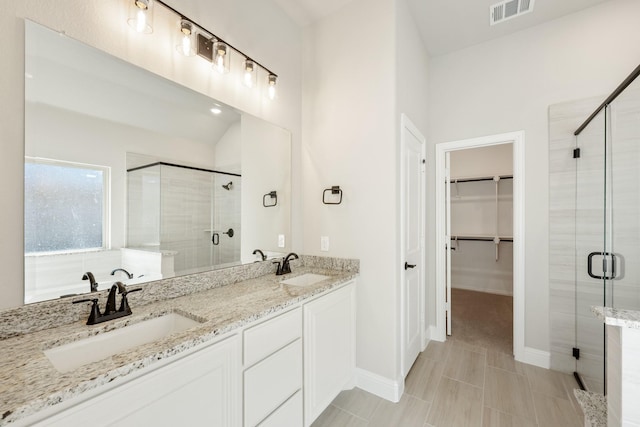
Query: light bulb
x: 141, y: 21
x: 271, y: 89
x: 186, y: 45
x: 249, y: 73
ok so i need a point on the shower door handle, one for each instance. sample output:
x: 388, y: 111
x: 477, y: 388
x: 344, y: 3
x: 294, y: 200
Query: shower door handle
x: 215, y: 239
x: 604, y: 265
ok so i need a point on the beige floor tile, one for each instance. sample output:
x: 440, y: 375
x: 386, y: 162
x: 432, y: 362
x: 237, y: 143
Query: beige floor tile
x: 494, y: 418
x: 570, y: 384
x: 409, y: 412
x: 466, y: 366
x: 504, y: 361
x: 423, y: 378
x: 436, y: 350
x: 508, y: 392
x: 336, y: 417
x: 555, y: 412
x: 456, y: 404
x: 358, y: 402
x: 546, y: 381
x: 457, y: 345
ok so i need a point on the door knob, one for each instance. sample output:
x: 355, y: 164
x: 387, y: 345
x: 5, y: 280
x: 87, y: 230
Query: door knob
x: 408, y: 266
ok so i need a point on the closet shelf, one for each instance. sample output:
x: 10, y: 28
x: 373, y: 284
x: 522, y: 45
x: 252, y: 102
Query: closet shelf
x: 480, y: 238
x: 480, y: 178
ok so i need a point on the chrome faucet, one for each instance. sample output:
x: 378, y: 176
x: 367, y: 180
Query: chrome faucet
x: 92, y: 281
x: 129, y: 275
x: 110, y: 311
x: 262, y: 255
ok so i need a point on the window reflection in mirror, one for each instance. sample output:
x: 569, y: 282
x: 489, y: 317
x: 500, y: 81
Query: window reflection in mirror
x: 163, y: 173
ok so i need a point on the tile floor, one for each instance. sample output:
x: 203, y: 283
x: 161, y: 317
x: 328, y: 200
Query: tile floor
x: 457, y: 384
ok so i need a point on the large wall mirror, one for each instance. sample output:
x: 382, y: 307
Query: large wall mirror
x: 125, y: 170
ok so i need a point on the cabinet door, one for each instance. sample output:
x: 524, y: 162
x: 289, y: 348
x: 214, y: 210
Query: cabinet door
x: 329, y: 349
x: 200, y: 389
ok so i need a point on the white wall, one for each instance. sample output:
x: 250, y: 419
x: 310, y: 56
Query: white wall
x: 507, y: 84
x: 356, y: 84
x: 258, y: 27
x: 349, y: 135
x: 269, y: 146
x: 482, y: 162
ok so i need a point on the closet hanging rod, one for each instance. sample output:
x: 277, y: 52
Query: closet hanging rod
x: 626, y: 82
x: 481, y: 239
x: 489, y: 178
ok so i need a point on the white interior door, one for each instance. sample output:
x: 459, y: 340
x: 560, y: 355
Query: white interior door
x: 412, y: 277
x: 447, y: 181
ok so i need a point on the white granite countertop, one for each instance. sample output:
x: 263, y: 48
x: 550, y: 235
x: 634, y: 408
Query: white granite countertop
x: 618, y: 317
x: 29, y: 382
x: 594, y: 407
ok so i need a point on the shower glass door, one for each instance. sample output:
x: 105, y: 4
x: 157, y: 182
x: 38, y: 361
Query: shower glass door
x: 623, y: 197
x: 590, y: 220
x: 607, y: 227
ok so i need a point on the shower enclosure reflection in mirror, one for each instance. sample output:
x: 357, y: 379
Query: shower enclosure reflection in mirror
x: 102, y: 189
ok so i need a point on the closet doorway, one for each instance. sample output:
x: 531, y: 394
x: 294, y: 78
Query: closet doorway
x: 480, y: 287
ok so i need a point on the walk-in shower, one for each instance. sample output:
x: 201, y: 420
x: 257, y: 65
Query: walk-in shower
x: 186, y: 212
x: 594, y: 224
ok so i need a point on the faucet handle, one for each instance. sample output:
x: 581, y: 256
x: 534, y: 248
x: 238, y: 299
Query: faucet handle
x: 124, y: 303
x: 279, y: 269
x: 95, y: 310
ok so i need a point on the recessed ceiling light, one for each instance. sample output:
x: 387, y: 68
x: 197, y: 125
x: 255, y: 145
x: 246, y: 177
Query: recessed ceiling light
x: 216, y: 110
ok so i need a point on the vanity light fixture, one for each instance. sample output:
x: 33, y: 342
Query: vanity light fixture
x: 271, y: 86
x: 186, y: 46
x: 141, y: 16
x: 249, y: 78
x: 196, y: 39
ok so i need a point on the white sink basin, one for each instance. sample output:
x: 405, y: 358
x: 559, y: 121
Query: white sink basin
x: 70, y: 356
x: 306, y: 279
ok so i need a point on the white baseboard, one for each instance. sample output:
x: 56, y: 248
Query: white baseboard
x: 380, y: 386
x: 435, y: 335
x: 533, y: 356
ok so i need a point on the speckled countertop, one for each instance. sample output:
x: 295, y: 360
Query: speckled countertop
x: 618, y: 317
x: 29, y: 383
x: 594, y: 407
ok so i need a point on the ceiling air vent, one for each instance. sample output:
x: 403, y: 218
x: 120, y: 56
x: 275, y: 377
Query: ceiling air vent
x: 508, y: 9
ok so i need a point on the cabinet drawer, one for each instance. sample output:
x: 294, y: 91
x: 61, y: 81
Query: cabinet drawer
x: 289, y: 414
x: 271, y: 382
x: 267, y: 337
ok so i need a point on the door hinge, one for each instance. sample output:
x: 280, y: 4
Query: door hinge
x: 576, y: 353
x: 576, y: 153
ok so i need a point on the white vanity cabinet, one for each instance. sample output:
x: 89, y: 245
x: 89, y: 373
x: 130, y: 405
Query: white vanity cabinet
x: 329, y: 349
x: 202, y: 388
x: 282, y: 371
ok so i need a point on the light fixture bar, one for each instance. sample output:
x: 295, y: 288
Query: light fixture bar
x: 204, y: 43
